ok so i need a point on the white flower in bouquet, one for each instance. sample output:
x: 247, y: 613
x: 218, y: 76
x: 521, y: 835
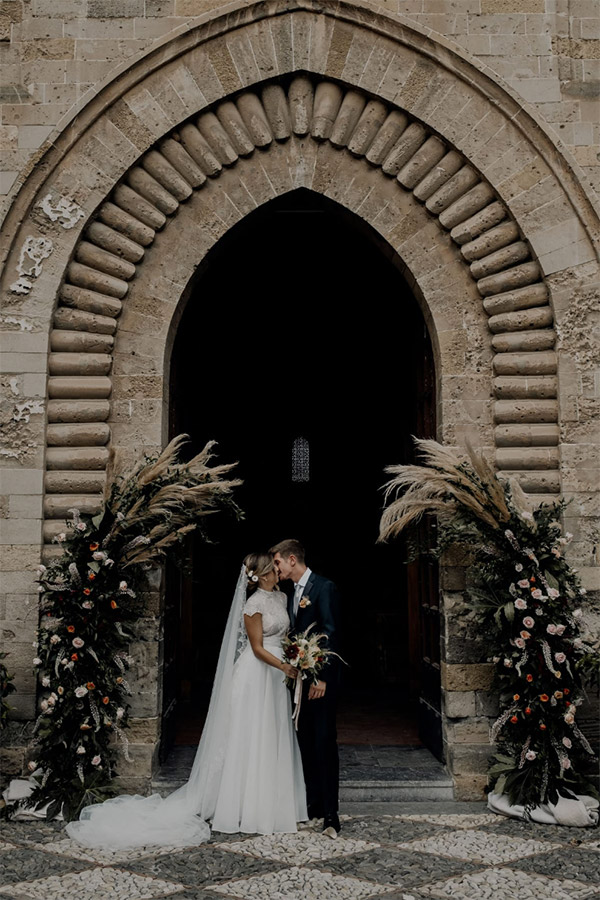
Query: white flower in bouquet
x: 81, y: 691
x: 46, y: 681
x: 54, y: 639
x: 96, y: 760
x: 80, y: 750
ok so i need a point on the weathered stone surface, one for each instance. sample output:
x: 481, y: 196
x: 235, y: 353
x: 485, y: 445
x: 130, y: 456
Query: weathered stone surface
x: 477, y: 677
x: 469, y: 787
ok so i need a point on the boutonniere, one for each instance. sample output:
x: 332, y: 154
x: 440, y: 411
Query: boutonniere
x: 304, y: 602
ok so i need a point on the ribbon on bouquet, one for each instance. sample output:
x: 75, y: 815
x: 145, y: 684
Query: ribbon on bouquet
x: 297, y: 701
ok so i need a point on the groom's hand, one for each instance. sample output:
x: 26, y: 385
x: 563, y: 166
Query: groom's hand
x: 316, y: 691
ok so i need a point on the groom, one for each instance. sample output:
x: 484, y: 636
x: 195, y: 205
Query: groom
x: 315, y: 601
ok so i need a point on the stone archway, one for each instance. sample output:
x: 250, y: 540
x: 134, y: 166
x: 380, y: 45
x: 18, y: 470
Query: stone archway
x: 449, y: 169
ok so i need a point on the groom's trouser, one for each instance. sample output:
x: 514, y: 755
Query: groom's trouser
x: 317, y: 736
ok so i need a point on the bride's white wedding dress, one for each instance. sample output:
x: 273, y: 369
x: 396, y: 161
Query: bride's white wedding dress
x: 247, y: 774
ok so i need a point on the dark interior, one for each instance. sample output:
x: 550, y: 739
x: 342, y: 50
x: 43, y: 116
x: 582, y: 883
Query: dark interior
x: 300, y: 332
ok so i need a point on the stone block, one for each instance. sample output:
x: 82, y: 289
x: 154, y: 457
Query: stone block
x: 469, y: 731
x: 487, y: 704
x: 471, y: 677
x: 469, y: 759
x: 470, y: 787
x: 144, y: 731
x: 12, y: 763
x: 459, y: 705
x: 142, y: 762
x: 98, y: 9
x: 126, y: 784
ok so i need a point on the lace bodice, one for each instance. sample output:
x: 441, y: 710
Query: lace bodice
x: 273, y: 607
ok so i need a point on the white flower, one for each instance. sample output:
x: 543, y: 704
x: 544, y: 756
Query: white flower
x: 96, y: 760
x: 508, y: 663
x: 123, y: 586
x: 46, y: 681
x: 578, y: 643
x: 537, y: 594
x: 567, y: 742
x: 250, y: 573
x: 495, y: 659
x: 523, y: 583
x: 577, y: 613
x: 565, y: 763
x: 521, y: 604
x: 530, y: 755
x: 41, y: 569
x: 569, y: 718
x: 519, y: 567
x: 37, y: 661
x: 54, y: 639
x: 527, y: 516
x: 77, y: 642
x: 98, y: 554
x: 568, y: 535
x: 255, y: 578
x: 582, y: 591
x: 528, y: 622
x: 63, y: 662
x: 31, y: 765
x: 60, y: 537
x: 551, y: 629
x: 81, y: 691
x: 52, y: 700
x: 559, y: 657
x: 539, y: 611
x: 120, y: 712
x: 109, y: 562
x: 87, y: 604
x: 35, y: 645
x: 81, y: 526
x: 560, y: 629
x: 81, y: 750
x: 44, y: 705
x: 120, y: 517
x: 520, y: 643
x: 41, y: 589
x: 552, y: 592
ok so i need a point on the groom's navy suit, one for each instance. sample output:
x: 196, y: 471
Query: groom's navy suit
x: 317, y: 734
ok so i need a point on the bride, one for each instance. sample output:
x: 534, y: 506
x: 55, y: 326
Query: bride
x: 247, y: 774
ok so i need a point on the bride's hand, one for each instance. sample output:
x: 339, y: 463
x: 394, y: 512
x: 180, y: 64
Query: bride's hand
x: 289, y: 671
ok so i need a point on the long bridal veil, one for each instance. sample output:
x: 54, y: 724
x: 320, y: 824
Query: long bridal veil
x: 181, y: 818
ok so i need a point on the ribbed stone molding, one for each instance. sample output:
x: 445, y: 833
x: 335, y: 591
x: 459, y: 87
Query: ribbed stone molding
x: 107, y: 257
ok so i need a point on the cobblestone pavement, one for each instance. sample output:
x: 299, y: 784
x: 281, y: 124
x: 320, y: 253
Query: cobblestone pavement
x: 393, y: 851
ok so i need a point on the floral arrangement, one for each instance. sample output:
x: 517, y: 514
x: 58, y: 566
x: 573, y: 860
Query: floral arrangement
x: 528, y: 600
x: 89, y: 600
x: 307, y: 653
x: 6, y: 688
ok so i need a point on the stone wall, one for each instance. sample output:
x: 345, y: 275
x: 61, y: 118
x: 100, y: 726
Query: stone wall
x: 57, y: 53
x: 492, y: 227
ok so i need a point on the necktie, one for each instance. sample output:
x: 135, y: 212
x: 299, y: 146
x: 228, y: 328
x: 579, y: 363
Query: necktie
x: 297, y: 595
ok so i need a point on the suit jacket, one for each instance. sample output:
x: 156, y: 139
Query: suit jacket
x: 323, y: 612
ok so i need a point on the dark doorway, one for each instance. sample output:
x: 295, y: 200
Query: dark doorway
x: 303, y: 352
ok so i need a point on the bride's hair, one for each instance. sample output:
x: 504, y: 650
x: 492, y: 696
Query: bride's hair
x: 257, y: 564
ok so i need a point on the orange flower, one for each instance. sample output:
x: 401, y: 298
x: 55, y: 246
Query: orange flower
x: 544, y: 698
x: 84, y: 727
x: 514, y: 720
x: 113, y: 604
x: 70, y: 629
x: 91, y: 576
x: 532, y: 578
x: 516, y: 696
x: 90, y: 686
x: 529, y: 677
x: 74, y: 657
x: 542, y: 726
x: 105, y: 700
x: 558, y: 674
x: 558, y: 694
x: 94, y: 546
x: 108, y: 724
x: 119, y: 679
x: 87, y: 592
x: 528, y: 710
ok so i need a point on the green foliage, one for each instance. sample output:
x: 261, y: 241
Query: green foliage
x: 6, y: 688
x: 89, y: 602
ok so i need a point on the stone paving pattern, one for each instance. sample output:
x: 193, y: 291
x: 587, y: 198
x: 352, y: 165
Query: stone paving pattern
x: 441, y: 850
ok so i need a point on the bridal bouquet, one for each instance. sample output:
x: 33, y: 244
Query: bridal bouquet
x: 306, y: 653
x: 309, y: 655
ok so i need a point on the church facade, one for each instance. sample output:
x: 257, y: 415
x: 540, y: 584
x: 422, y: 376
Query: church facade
x: 138, y: 134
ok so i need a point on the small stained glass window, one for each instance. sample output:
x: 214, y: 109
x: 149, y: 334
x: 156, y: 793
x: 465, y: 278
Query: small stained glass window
x: 300, y: 460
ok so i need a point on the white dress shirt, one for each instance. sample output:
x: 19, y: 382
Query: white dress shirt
x: 299, y: 588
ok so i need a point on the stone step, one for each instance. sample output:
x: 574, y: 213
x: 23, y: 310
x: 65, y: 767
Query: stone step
x: 416, y: 790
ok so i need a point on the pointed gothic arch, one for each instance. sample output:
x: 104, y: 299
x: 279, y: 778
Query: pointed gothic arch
x: 490, y: 220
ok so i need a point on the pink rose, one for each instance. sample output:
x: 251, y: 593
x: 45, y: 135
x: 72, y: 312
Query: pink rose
x: 521, y: 604
x: 559, y: 657
x: 537, y: 594
x: 96, y: 760
x: 523, y: 583
x: 552, y: 592
x: 560, y: 629
x: 520, y: 643
x: 567, y: 742
x: 551, y: 629
x: 528, y: 622
x: 77, y: 642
